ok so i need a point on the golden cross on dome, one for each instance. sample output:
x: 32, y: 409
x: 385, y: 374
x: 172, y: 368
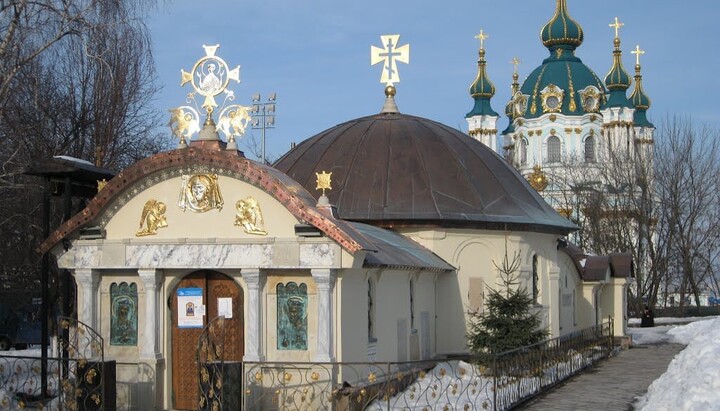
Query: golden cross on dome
x: 515, y: 62
x: 323, y: 181
x: 390, y: 55
x: 482, y: 37
x: 637, y: 52
x: 616, y: 26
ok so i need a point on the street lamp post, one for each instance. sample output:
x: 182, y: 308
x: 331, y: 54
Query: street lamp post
x: 263, y: 117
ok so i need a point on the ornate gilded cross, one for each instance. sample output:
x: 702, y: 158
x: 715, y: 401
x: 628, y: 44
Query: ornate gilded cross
x: 637, y: 52
x: 390, y: 55
x: 323, y: 181
x: 616, y: 26
x: 482, y: 37
x: 515, y: 62
x: 210, y: 76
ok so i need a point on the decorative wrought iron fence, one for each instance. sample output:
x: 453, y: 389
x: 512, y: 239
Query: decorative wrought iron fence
x: 490, y: 382
x: 76, y: 376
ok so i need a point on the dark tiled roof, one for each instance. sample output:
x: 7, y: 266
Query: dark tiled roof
x: 596, y: 268
x: 622, y: 265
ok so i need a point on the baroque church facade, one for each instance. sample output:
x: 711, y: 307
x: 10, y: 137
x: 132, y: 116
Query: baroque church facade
x: 370, y: 241
x: 565, y: 123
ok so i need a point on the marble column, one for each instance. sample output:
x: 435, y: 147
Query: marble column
x: 150, y: 341
x: 88, y: 281
x: 325, y: 282
x: 255, y: 281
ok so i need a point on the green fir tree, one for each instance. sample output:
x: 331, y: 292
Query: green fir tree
x: 507, y: 321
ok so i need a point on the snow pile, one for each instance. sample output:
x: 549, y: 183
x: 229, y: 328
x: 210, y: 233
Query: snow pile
x: 691, y: 381
x: 650, y: 335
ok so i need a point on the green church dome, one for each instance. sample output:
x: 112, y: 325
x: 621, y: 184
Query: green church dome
x: 557, y: 86
x: 640, y: 101
x: 617, y: 80
x: 482, y: 90
x: 562, y: 84
x: 562, y: 30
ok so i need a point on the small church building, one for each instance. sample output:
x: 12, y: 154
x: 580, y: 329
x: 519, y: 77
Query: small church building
x: 382, y: 263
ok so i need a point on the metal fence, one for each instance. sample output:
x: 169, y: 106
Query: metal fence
x: 491, y: 382
x: 75, y: 375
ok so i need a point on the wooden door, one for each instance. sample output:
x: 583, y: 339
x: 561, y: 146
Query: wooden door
x: 185, y: 340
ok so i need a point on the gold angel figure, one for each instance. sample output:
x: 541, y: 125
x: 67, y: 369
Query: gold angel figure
x: 184, y: 122
x: 200, y: 193
x: 234, y: 120
x: 249, y: 216
x: 153, y: 217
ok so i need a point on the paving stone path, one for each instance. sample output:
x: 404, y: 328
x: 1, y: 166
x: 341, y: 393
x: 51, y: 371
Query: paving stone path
x: 610, y: 385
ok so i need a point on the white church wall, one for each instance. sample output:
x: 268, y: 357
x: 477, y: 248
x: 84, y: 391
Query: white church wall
x: 393, y: 316
x: 571, y: 296
x: 397, y: 335
x: 352, y: 325
x: 473, y: 252
x: 210, y: 224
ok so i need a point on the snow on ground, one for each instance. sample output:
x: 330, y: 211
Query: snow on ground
x: 692, y: 381
x: 667, y: 320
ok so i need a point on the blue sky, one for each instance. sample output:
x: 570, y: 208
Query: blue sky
x: 316, y: 54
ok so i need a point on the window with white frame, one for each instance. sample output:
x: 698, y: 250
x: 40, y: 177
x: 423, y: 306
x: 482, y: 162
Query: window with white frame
x: 590, y: 149
x: 553, y: 149
x: 523, y: 152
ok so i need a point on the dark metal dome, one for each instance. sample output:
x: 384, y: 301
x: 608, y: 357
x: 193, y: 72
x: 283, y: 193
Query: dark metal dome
x: 395, y: 169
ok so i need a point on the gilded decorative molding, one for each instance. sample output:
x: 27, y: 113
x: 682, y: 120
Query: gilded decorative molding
x: 590, y: 97
x: 552, y: 99
x: 538, y: 180
x: 533, y: 107
x: 249, y: 216
x: 152, y: 218
x: 571, y: 89
x: 564, y: 211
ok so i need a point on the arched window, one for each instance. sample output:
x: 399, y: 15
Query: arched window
x: 535, y: 279
x: 553, y: 149
x: 523, y: 152
x: 590, y: 149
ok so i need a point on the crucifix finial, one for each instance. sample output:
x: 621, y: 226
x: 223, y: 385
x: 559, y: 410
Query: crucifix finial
x: 637, y: 52
x: 389, y: 55
x: 515, y: 62
x: 482, y: 37
x: 616, y: 25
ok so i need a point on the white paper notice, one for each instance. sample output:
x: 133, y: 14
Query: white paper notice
x: 190, y: 308
x: 225, y: 307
